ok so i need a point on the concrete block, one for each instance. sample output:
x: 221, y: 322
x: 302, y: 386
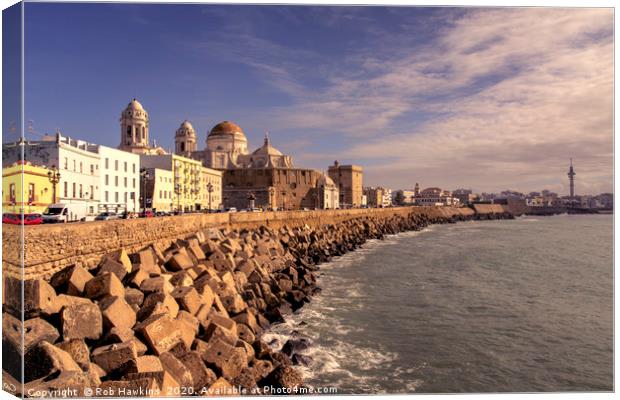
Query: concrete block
x: 113, y: 356
x: 187, y: 298
x: 167, y: 300
x: 81, y: 321
x: 45, y: 359
x: 106, y: 284
x: 157, y: 284
x: 71, y: 280
x: 160, y: 332
x: 202, y: 377
x: 79, y: 351
x: 114, y: 267
x: 176, y: 369
x: 117, y: 313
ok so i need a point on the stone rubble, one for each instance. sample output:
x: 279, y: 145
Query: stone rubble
x: 182, y: 320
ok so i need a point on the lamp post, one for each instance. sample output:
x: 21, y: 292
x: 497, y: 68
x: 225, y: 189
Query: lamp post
x: 144, y: 174
x: 272, y: 192
x: 251, y: 201
x: 210, y: 190
x: 54, y: 177
x: 177, y: 191
x: 283, y: 200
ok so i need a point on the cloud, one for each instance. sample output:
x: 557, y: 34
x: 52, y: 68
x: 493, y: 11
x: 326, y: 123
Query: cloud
x: 493, y: 98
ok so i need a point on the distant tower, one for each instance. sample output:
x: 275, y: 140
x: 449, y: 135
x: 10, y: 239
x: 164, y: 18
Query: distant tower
x: 134, y: 128
x: 185, y: 139
x: 571, y: 178
x: 416, y: 191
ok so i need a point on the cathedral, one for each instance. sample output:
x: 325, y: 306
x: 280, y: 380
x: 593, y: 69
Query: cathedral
x: 263, y: 178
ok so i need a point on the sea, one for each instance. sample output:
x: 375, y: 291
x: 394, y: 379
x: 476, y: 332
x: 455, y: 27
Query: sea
x: 523, y: 305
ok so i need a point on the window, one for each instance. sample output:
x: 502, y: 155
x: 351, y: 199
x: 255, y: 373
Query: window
x: 116, y: 181
x: 30, y: 192
x: 106, y: 196
x: 12, y: 192
x: 107, y: 180
x: 160, y: 196
x: 125, y: 197
x: 92, y: 192
x: 81, y: 170
x: 128, y: 133
x: 81, y: 196
x: 116, y: 197
x: 125, y: 166
x: 107, y: 163
x: 66, y: 163
x: 66, y: 189
x: 134, y: 183
x: 74, y: 166
x: 73, y: 190
x: 125, y: 181
x: 92, y: 169
x: 133, y: 167
x: 115, y: 165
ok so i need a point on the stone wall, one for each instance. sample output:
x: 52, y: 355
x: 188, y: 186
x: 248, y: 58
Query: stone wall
x: 50, y: 248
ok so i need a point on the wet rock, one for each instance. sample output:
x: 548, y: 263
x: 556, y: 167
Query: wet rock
x: 283, y: 377
x: 301, y: 359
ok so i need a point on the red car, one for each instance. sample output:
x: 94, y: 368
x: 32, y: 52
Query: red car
x: 33, y: 219
x: 13, y: 219
x: 146, y: 214
x: 29, y: 219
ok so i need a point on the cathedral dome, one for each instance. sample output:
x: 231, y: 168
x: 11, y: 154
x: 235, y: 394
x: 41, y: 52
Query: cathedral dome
x: 135, y: 105
x: 225, y: 128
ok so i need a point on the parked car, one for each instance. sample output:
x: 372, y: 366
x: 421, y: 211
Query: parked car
x: 9, y: 218
x: 146, y: 214
x: 106, y: 216
x: 33, y: 219
x: 128, y: 215
x: 231, y: 209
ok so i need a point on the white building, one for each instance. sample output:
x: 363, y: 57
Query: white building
x: 76, y: 161
x: 119, y: 180
x: 328, y: 193
x: 387, y: 198
x: 160, y: 189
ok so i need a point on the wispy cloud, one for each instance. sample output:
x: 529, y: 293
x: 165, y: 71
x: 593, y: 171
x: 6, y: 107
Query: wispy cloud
x: 495, y: 98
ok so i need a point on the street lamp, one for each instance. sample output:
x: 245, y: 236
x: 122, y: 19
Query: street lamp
x: 54, y: 177
x: 251, y: 201
x: 177, y: 191
x: 210, y: 190
x: 272, y: 192
x: 144, y: 174
x: 284, y: 200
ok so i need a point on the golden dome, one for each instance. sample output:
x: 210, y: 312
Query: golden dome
x: 226, y: 128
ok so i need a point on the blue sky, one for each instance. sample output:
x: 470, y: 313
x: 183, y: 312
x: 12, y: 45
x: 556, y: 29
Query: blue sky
x: 483, y: 98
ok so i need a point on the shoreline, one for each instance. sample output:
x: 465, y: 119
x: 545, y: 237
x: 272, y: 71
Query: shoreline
x: 210, y: 296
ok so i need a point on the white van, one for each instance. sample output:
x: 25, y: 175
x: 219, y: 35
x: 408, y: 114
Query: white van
x: 64, y: 212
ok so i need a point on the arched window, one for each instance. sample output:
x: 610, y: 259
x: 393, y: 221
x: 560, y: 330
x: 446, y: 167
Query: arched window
x: 129, y: 131
x: 182, y: 146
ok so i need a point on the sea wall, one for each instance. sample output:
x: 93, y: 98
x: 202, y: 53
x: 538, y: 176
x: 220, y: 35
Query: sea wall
x: 50, y: 248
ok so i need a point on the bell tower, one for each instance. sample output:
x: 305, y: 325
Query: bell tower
x: 134, y: 128
x: 185, y: 139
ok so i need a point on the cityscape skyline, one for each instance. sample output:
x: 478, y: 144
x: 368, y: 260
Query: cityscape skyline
x: 427, y: 109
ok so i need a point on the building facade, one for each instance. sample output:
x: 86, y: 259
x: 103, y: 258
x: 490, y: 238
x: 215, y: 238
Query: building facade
x: 134, y: 135
x: 374, y: 196
x: 36, y: 193
x: 211, y: 189
x: 119, y: 180
x: 76, y: 161
x: 349, y: 179
x: 328, y: 193
x: 158, y: 187
x: 435, y: 196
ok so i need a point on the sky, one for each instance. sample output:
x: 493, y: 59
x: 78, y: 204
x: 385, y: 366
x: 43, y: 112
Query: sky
x: 482, y: 98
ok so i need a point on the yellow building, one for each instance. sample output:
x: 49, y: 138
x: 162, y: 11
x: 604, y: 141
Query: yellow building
x: 211, y: 188
x: 186, y: 179
x: 37, y: 192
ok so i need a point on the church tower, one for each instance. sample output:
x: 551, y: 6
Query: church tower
x: 134, y: 128
x: 185, y: 139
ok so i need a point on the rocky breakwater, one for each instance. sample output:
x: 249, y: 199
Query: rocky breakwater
x: 185, y: 320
